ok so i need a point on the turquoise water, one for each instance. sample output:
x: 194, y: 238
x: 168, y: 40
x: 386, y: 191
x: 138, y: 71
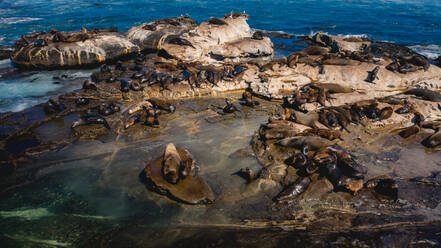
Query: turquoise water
x: 415, y: 23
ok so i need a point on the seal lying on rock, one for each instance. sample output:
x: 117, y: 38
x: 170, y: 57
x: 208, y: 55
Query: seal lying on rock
x: 173, y: 174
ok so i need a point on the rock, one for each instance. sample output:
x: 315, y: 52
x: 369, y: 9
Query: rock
x: 191, y: 189
x: 82, y: 50
x: 5, y: 52
x: 216, y: 44
x: 150, y: 35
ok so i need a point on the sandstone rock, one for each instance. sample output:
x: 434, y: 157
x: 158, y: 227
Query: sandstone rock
x: 94, y: 49
x: 150, y: 35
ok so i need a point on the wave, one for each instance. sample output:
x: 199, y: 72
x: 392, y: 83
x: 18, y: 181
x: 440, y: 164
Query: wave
x: 15, y: 20
x: 429, y: 51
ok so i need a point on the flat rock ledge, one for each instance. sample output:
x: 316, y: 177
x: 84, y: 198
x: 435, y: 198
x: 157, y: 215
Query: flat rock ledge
x: 217, y: 41
x: 100, y: 48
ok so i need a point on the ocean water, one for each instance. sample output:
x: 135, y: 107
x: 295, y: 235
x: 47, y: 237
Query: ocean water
x: 415, y: 23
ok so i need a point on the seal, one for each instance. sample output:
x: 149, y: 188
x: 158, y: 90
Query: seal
x: 230, y: 107
x: 53, y: 106
x: 124, y: 85
x: 384, y: 187
x: 334, y: 175
x: 187, y: 168
x: 81, y: 101
x: 434, y: 140
x: 138, y: 106
x: 372, y: 75
x: 217, y: 21
x: 89, y: 85
x: 298, y: 142
x: 246, y: 174
x: 90, y: 119
x: 162, y: 104
x: 180, y: 42
x: 294, y: 190
x: 171, y: 164
x: 424, y: 94
x: 409, y: 131
x: 132, y: 120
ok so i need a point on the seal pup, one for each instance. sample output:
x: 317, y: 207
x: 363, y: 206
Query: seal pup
x: 372, y: 75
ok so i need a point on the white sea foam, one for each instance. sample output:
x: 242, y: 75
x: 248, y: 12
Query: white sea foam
x: 15, y: 20
x: 26, y: 213
x: 430, y: 51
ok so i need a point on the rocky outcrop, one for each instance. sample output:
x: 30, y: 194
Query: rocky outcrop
x: 151, y: 35
x: 173, y: 174
x: 68, y: 50
x: 216, y: 41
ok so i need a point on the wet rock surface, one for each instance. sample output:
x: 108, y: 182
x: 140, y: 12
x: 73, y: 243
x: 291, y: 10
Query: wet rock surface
x: 331, y: 144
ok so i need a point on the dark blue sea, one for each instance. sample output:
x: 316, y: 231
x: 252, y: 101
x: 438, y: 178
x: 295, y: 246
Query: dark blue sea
x: 415, y: 23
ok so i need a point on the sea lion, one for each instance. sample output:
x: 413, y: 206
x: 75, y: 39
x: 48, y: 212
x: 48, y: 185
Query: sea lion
x: 298, y: 142
x: 182, y: 76
x: 434, y: 125
x: 217, y: 21
x: 334, y: 88
x: 409, y: 131
x: 424, y: 94
x: 393, y: 67
x: 91, y: 119
x: 418, y: 118
x: 334, y: 175
x: 187, y: 168
x: 132, y: 120
x: 230, y: 107
x: 299, y: 160
x: 138, y: 106
x: 434, y: 140
x: 248, y: 97
x: 372, y: 75
x: 246, y: 174
x: 403, y: 110
x: 383, y: 187
x: 258, y: 35
x: 162, y: 104
x: 324, y: 133
x: 419, y: 60
x: 385, y: 113
x: 171, y: 163
x: 82, y: 101
x: 124, y: 85
x: 180, y: 42
x: 309, y: 119
x: 53, y: 106
x: 136, y: 86
x: 323, y: 157
x: 294, y: 190
x: 89, y: 85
